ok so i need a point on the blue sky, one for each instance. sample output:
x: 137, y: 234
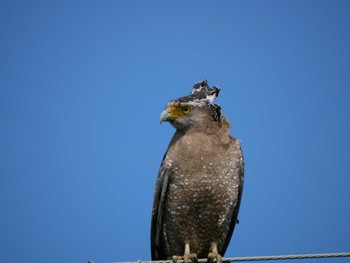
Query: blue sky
x: 83, y: 84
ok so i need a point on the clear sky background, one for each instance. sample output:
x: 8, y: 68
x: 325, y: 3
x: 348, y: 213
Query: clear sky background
x: 83, y: 84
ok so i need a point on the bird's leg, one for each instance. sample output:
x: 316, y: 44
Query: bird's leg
x: 214, y: 253
x: 187, y: 255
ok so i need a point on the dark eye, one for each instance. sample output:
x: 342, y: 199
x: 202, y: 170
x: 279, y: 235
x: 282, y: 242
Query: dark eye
x: 186, y: 109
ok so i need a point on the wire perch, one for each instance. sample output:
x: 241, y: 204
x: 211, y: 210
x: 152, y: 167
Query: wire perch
x: 257, y: 258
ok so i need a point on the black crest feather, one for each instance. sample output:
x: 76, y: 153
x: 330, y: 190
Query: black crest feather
x: 202, y: 93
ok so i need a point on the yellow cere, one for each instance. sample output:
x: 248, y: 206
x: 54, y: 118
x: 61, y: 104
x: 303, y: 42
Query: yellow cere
x: 179, y: 111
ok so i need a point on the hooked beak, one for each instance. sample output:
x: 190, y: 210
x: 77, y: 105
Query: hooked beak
x: 165, y: 116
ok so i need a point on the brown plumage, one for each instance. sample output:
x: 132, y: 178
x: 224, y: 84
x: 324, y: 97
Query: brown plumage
x: 200, y: 181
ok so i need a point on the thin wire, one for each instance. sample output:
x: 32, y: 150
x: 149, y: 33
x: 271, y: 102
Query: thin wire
x: 258, y: 258
x: 288, y: 257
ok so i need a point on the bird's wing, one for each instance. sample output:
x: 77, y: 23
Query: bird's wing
x: 234, y: 219
x: 157, y: 242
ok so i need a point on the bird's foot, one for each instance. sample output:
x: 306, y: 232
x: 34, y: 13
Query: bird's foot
x: 193, y: 257
x: 187, y: 256
x: 214, y: 254
x: 176, y: 258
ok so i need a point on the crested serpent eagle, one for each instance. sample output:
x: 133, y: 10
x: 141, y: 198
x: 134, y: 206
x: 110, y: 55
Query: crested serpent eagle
x: 200, y: 181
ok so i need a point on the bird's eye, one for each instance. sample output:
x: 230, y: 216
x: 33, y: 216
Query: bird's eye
x: 186, y: 109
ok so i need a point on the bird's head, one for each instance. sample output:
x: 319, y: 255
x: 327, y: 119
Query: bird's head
x: 195, y: 109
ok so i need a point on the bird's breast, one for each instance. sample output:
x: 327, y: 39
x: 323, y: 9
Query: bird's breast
x: 202, y: 192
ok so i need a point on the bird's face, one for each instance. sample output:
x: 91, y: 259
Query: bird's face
x: 183, y: 115
x: 174, y: 112
x: 177, y: 114
x: 194, y: 110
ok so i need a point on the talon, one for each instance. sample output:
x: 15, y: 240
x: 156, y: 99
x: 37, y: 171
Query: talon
x: 176, y: 258
x: 193, y: 257
x: 214, y: 254
x: 187, y: 256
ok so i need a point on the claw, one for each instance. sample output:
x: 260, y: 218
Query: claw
x: 214, y: 254
x: 187, y: 256
x: 193, y: 257
x: 176, y: 258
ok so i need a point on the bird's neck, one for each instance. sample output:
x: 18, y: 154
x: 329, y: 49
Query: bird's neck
x: 220, y: 128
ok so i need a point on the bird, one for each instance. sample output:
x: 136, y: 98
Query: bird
x: 200, y: 181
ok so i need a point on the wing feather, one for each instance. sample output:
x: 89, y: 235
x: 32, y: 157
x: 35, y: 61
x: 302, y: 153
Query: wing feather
x: 157, y: 238
x: 234, y: 219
